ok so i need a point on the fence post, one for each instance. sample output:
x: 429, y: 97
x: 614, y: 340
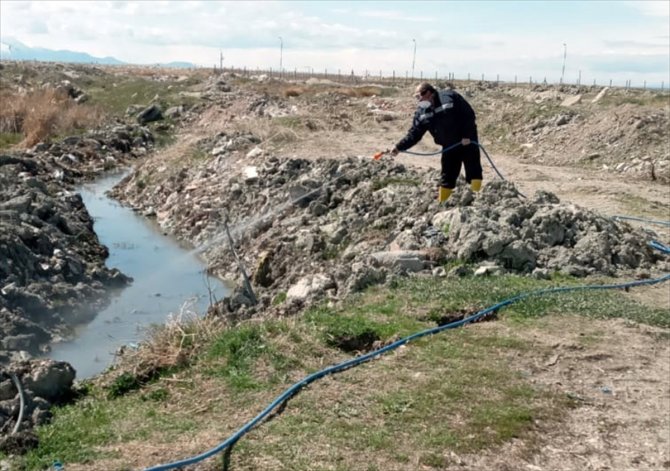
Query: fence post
x: 482, y: 77
x: 579, y: 79
x: 662, y: 86
x: 497, y: 79
x: 406, y: 77
x: 421, y: 76
x: 645, y: 85
x: 515, y: 80
x: 468, y: 77
x: 530, y: 80
x: 393, y: 83
x: 610, y: 83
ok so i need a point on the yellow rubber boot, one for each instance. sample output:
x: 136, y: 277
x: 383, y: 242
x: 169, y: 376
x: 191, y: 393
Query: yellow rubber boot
x: 444, y: 194
x: 475, y: 185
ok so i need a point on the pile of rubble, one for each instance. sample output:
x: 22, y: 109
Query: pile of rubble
x: 315, y: 229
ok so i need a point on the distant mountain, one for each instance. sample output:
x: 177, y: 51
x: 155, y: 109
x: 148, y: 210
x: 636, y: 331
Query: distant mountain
x: 11, y: 49
x: 180, y: 65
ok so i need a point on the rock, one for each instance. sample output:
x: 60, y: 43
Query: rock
x: 150, y: 114
x: 309, y: 286
x: 406, y: 260
x: 250, y: 174
x: 487, y: 269
x: 51, y: 380
x: 174, y: 112
x: 571, y: 100
x: 600, y: 95
x: 255, y: 152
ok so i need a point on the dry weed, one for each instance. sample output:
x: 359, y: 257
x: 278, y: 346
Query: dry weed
x: 172, y: 345
x: 360, y: 92
x: 268, y: 130
x: 294, y: 91
x: 41, y: 114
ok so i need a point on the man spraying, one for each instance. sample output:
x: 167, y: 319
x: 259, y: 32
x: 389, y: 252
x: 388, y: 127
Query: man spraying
x: 450, y: 120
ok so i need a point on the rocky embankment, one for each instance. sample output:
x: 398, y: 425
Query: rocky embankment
x: 310, y: 230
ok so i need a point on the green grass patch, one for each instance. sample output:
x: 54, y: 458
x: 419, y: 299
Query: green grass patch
x: 452, y: 392
x: 476, y: 293
x: 279, y: 298
x: 249, y: 356
x: 79, y: 432
x: 116, y: 94
x: 9, y: 139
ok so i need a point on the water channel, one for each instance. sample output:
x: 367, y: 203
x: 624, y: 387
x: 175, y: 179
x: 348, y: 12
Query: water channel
x: 168, y: 279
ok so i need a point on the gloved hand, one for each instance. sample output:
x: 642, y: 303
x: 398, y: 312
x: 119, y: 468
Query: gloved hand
x: 465, y: 142
x: 393, y: 152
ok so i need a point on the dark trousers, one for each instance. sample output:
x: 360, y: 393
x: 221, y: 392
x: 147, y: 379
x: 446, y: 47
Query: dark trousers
x: 469, y: 157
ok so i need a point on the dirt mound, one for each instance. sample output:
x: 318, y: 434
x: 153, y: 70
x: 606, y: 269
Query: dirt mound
x: 309, y: 229
x: 539, y: 234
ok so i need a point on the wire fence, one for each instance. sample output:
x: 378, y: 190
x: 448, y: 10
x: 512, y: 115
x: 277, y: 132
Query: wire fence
x: 404, y: 79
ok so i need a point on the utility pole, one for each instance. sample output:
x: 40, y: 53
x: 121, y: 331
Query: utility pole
x: 565, y: 53
x: 413, y: 57
x: 281, y: 52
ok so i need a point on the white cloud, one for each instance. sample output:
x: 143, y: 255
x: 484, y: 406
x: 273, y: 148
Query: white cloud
x: 396, y: 16
x: 332, y: 36
x: 658, y: 8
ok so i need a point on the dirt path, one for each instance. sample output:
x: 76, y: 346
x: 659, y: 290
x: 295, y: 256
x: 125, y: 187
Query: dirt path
x: 618, y: 375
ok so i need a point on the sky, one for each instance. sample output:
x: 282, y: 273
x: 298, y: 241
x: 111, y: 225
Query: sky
x: 592, y: 39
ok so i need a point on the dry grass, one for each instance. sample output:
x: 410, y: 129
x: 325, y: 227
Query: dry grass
x: 42, y: 114
x: 294, y: 91
x: 360, y: 92
x: 170, y: 346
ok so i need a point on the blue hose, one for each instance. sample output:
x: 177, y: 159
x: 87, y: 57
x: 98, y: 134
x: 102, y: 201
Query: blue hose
x: 291, y: 391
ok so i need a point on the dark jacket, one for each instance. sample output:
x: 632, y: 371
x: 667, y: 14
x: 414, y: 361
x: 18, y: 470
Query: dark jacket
x: 448, y: 120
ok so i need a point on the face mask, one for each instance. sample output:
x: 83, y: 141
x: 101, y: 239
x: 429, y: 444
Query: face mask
x: 424, y: 104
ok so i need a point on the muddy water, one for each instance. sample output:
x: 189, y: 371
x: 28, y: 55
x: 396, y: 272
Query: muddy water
x: 167, y: 280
